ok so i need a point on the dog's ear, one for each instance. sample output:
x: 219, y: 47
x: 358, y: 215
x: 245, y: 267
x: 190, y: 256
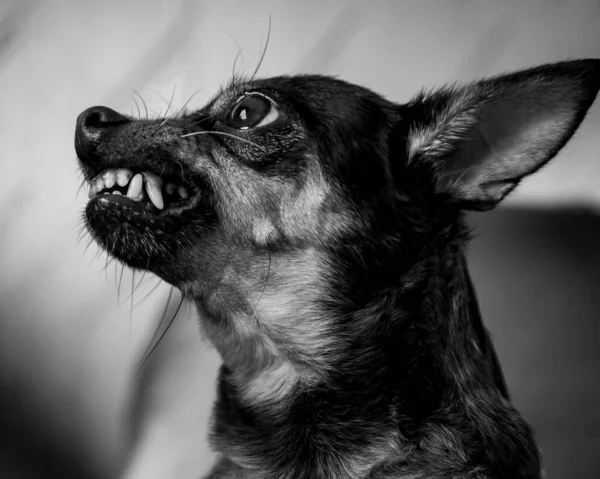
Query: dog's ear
x: 477, y: 142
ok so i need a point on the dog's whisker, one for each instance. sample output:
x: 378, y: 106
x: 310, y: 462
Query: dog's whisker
x: 201, y: 120
x: 148, y: 294
x: 131, y: 305
x: 182, y: 172
x: 137, y: 106
x: 164, y: 122
x: 143, y: 103
x: 90, y: 243
x: 116, y: 273
x: 233, y: 82
x: 266, y: 278
x: 81, y: 233
x: 155, y: 342
x: 98, y: 255
x: 106, y: 263
x: 157, y: 119
x: 222, y: 133
x: 119, y: 285
x: 240, y: 54
x: 187, y: 102
x: 83, y: 183
x: 262, y: 57
x: 254, y: 308
x: 135, y: 287
x: 159, y: 94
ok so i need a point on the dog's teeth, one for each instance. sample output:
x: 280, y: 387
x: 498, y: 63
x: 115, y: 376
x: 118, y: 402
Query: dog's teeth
x: 182, y: 192
x: 97, y: 186
x: 110, y: 178
x: 170, y: 188
x: 135, y: 186
x: 153, y: 188
x: 123, y: 176
x: 139, y: 197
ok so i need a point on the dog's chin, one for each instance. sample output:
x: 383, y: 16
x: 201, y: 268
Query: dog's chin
x: 141, y: 235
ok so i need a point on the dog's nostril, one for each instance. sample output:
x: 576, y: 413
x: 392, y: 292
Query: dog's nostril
x: 92, y: 120
x: 94, y: 125
x: 99, y: 117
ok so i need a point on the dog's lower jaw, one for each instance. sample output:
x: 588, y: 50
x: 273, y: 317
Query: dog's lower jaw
x: 402, y: 403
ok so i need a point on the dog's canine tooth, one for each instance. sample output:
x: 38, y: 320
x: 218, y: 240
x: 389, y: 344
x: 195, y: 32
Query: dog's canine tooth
x: 153, y: 188
x: 135, y: 186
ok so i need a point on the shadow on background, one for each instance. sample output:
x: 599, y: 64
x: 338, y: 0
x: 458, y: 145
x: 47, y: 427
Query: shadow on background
x: 537, y: 274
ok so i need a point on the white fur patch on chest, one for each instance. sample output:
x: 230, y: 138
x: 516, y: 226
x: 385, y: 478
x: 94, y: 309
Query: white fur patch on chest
x: 271, y: 385
x: 290, y: 309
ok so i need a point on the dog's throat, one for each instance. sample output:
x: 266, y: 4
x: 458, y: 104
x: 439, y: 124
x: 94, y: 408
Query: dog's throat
x: 396, y: 355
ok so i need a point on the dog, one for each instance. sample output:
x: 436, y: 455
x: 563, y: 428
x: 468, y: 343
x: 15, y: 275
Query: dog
x: 319, y: 230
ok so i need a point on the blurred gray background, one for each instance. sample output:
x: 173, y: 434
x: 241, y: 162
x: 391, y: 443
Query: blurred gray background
x: 69, y: 342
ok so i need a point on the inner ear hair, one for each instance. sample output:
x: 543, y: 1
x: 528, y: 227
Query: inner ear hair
x: 476, y: 142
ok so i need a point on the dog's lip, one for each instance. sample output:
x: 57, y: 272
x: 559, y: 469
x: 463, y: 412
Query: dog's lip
x: 146, y: 207
x: 160, y: 166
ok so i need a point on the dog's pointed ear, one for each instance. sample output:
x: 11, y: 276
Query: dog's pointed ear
x: 477, y: 142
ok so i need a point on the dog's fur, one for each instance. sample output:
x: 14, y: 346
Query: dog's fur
x: 324, y: 252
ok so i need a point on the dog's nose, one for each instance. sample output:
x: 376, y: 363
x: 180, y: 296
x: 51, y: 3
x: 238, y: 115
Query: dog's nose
x: 93, y: 126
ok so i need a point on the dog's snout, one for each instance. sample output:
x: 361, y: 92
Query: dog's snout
x: 94, y: 125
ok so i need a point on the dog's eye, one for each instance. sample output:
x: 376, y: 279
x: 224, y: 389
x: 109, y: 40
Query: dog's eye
x: 252, y: 111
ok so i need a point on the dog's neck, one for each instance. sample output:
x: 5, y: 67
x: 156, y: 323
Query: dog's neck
x: 389, y: 360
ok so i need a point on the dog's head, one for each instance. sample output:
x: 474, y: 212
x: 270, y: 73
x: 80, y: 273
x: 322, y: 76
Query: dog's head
x: 295, y: 211
x: 274, y: 174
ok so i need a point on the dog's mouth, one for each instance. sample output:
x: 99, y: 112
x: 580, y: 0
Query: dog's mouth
x: 145, y: 192
x: 143, y: 214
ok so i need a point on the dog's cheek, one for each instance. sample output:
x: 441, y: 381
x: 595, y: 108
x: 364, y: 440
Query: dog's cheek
x: 315, y: 214
x: 246, y: 207
x: 299, y: 212
x: 264, y: 232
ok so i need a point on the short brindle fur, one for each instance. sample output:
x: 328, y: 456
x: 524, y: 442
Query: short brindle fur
x: 323, y: 245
